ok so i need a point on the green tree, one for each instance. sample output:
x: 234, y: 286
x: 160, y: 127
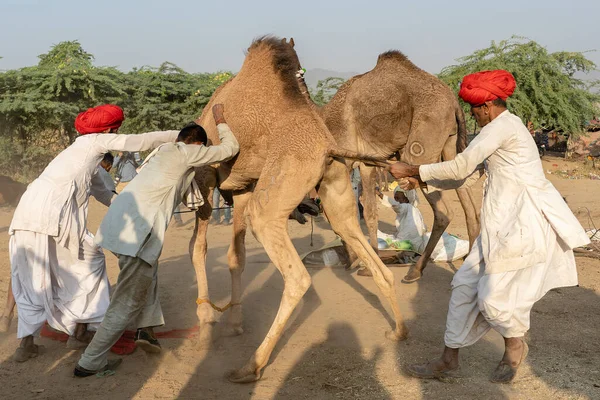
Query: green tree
x: 38, y: 105
x: 325, y: 90
x: 548, y: 94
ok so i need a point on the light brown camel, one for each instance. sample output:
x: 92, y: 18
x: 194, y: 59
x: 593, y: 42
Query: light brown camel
x: 397, y: 108
x: 285, y: 151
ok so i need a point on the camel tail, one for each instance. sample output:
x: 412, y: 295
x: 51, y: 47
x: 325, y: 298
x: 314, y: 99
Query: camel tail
x: 364, y: 158
x: 461, y: 142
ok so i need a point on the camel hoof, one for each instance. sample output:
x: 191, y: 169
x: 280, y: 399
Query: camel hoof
x: 397, y: 335
x: 244, y: 375
x: 205, y: 336
x: 413, y: 275
x: 364, y: 272
x: 232, y: 330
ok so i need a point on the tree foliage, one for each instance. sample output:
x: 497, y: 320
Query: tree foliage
x: 549, y: 94
x: 325, y: 90
x: 38, y: 104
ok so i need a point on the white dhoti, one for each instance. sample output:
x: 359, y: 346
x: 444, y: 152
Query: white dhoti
x: 49, y: 284
x: 503, y: 301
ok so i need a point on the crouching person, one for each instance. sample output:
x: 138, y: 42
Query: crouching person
x: 134, y: 229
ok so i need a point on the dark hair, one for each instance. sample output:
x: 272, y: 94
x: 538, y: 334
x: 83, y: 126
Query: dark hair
x: 192, y: 133
x: 499, y: 102
x: 109, y: 158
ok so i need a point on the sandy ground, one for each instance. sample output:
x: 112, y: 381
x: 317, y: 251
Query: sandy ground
x: 334, y: 346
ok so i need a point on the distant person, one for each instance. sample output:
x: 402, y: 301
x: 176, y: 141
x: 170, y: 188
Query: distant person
x: 58, y: 273
x: 216, y: 213
x: 104, y: 171
x: 125, y: 165
x: 134, y: 230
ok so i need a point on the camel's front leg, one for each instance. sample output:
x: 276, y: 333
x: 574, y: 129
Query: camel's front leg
x: 206, y: 179
x: 236, y: 257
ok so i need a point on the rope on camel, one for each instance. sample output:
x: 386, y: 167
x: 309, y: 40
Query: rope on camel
x: 215, y: 307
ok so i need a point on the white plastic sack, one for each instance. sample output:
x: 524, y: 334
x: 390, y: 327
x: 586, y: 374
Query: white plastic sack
x: 449, y: 248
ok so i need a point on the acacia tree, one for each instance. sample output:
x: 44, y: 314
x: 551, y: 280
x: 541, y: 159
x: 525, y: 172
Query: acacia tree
x: 548, y: 94
x: 38, y: 105
x: 325, y: 90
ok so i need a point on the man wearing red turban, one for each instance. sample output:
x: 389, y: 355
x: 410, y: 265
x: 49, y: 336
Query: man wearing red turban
x: 527, y: 233
x: 105, y: 118
x: 58, y: 273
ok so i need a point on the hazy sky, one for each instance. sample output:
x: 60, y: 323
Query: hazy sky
x: 205, y: 36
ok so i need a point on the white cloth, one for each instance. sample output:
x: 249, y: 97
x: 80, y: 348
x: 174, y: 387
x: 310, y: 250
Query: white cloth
x: 137, y: 219
x: 526, y: 240
x: 192, y: 198
x: 503, y: 300
x: 56, y: 202
x: 409, y: 223
x: 518, y: 200
x: 48, y: 284
x: 58, y: 272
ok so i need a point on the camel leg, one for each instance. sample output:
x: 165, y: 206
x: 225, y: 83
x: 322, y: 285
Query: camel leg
x: 442, y: 215
x: 236, y: 257
x: 198, y: 249
x: 464, y: 195
x: 272, y: 201
x: 369, y: 202
x: 338, y: 201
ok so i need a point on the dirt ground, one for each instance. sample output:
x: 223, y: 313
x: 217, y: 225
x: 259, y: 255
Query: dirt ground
x: 334, y: 346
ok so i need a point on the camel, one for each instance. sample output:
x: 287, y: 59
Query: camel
x: 399, y: 109
x: 285, y: 152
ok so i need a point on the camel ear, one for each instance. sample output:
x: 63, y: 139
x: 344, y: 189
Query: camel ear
x: 292, y: 42
x: 283, y: 41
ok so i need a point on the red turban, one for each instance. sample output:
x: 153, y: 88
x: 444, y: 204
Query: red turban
x: 485, y: 86
x: 99, y: 119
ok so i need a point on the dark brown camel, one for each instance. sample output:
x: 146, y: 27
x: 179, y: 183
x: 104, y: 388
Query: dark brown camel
x: 397, y: 108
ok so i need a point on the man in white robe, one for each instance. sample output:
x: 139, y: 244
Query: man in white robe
x: 409, y: 220
x: 58, y: 273
x: 527, y: 231
x: 134, y: 230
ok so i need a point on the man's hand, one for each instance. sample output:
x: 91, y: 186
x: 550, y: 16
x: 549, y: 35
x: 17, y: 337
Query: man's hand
x: 408, y: 183
x: 401, y: 170
x: 218, y: 110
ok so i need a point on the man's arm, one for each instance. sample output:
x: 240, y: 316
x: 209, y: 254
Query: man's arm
x: 229, y: 147
x: 139, y: 142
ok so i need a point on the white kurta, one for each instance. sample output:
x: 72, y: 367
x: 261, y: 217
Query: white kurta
x: 137, y: 220
x: 526, y: 240
x: 58, y: 273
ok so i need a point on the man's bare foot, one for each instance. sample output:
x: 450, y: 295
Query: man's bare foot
x: 26, y: 350
x: 445, y: 367
x: 515, y: 352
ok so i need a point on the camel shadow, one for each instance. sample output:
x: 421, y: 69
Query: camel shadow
x: 335, y: 368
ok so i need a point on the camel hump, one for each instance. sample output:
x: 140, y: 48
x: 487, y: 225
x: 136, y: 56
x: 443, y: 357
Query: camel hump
x: 397, y: 57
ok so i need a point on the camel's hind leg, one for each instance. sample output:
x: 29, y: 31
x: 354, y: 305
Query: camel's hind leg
x: 464, y: 195
x: 338, y: 202
x: 369, y: 180
x: 276, y: 195
x: 442, y: 215
x: 236, y: 257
